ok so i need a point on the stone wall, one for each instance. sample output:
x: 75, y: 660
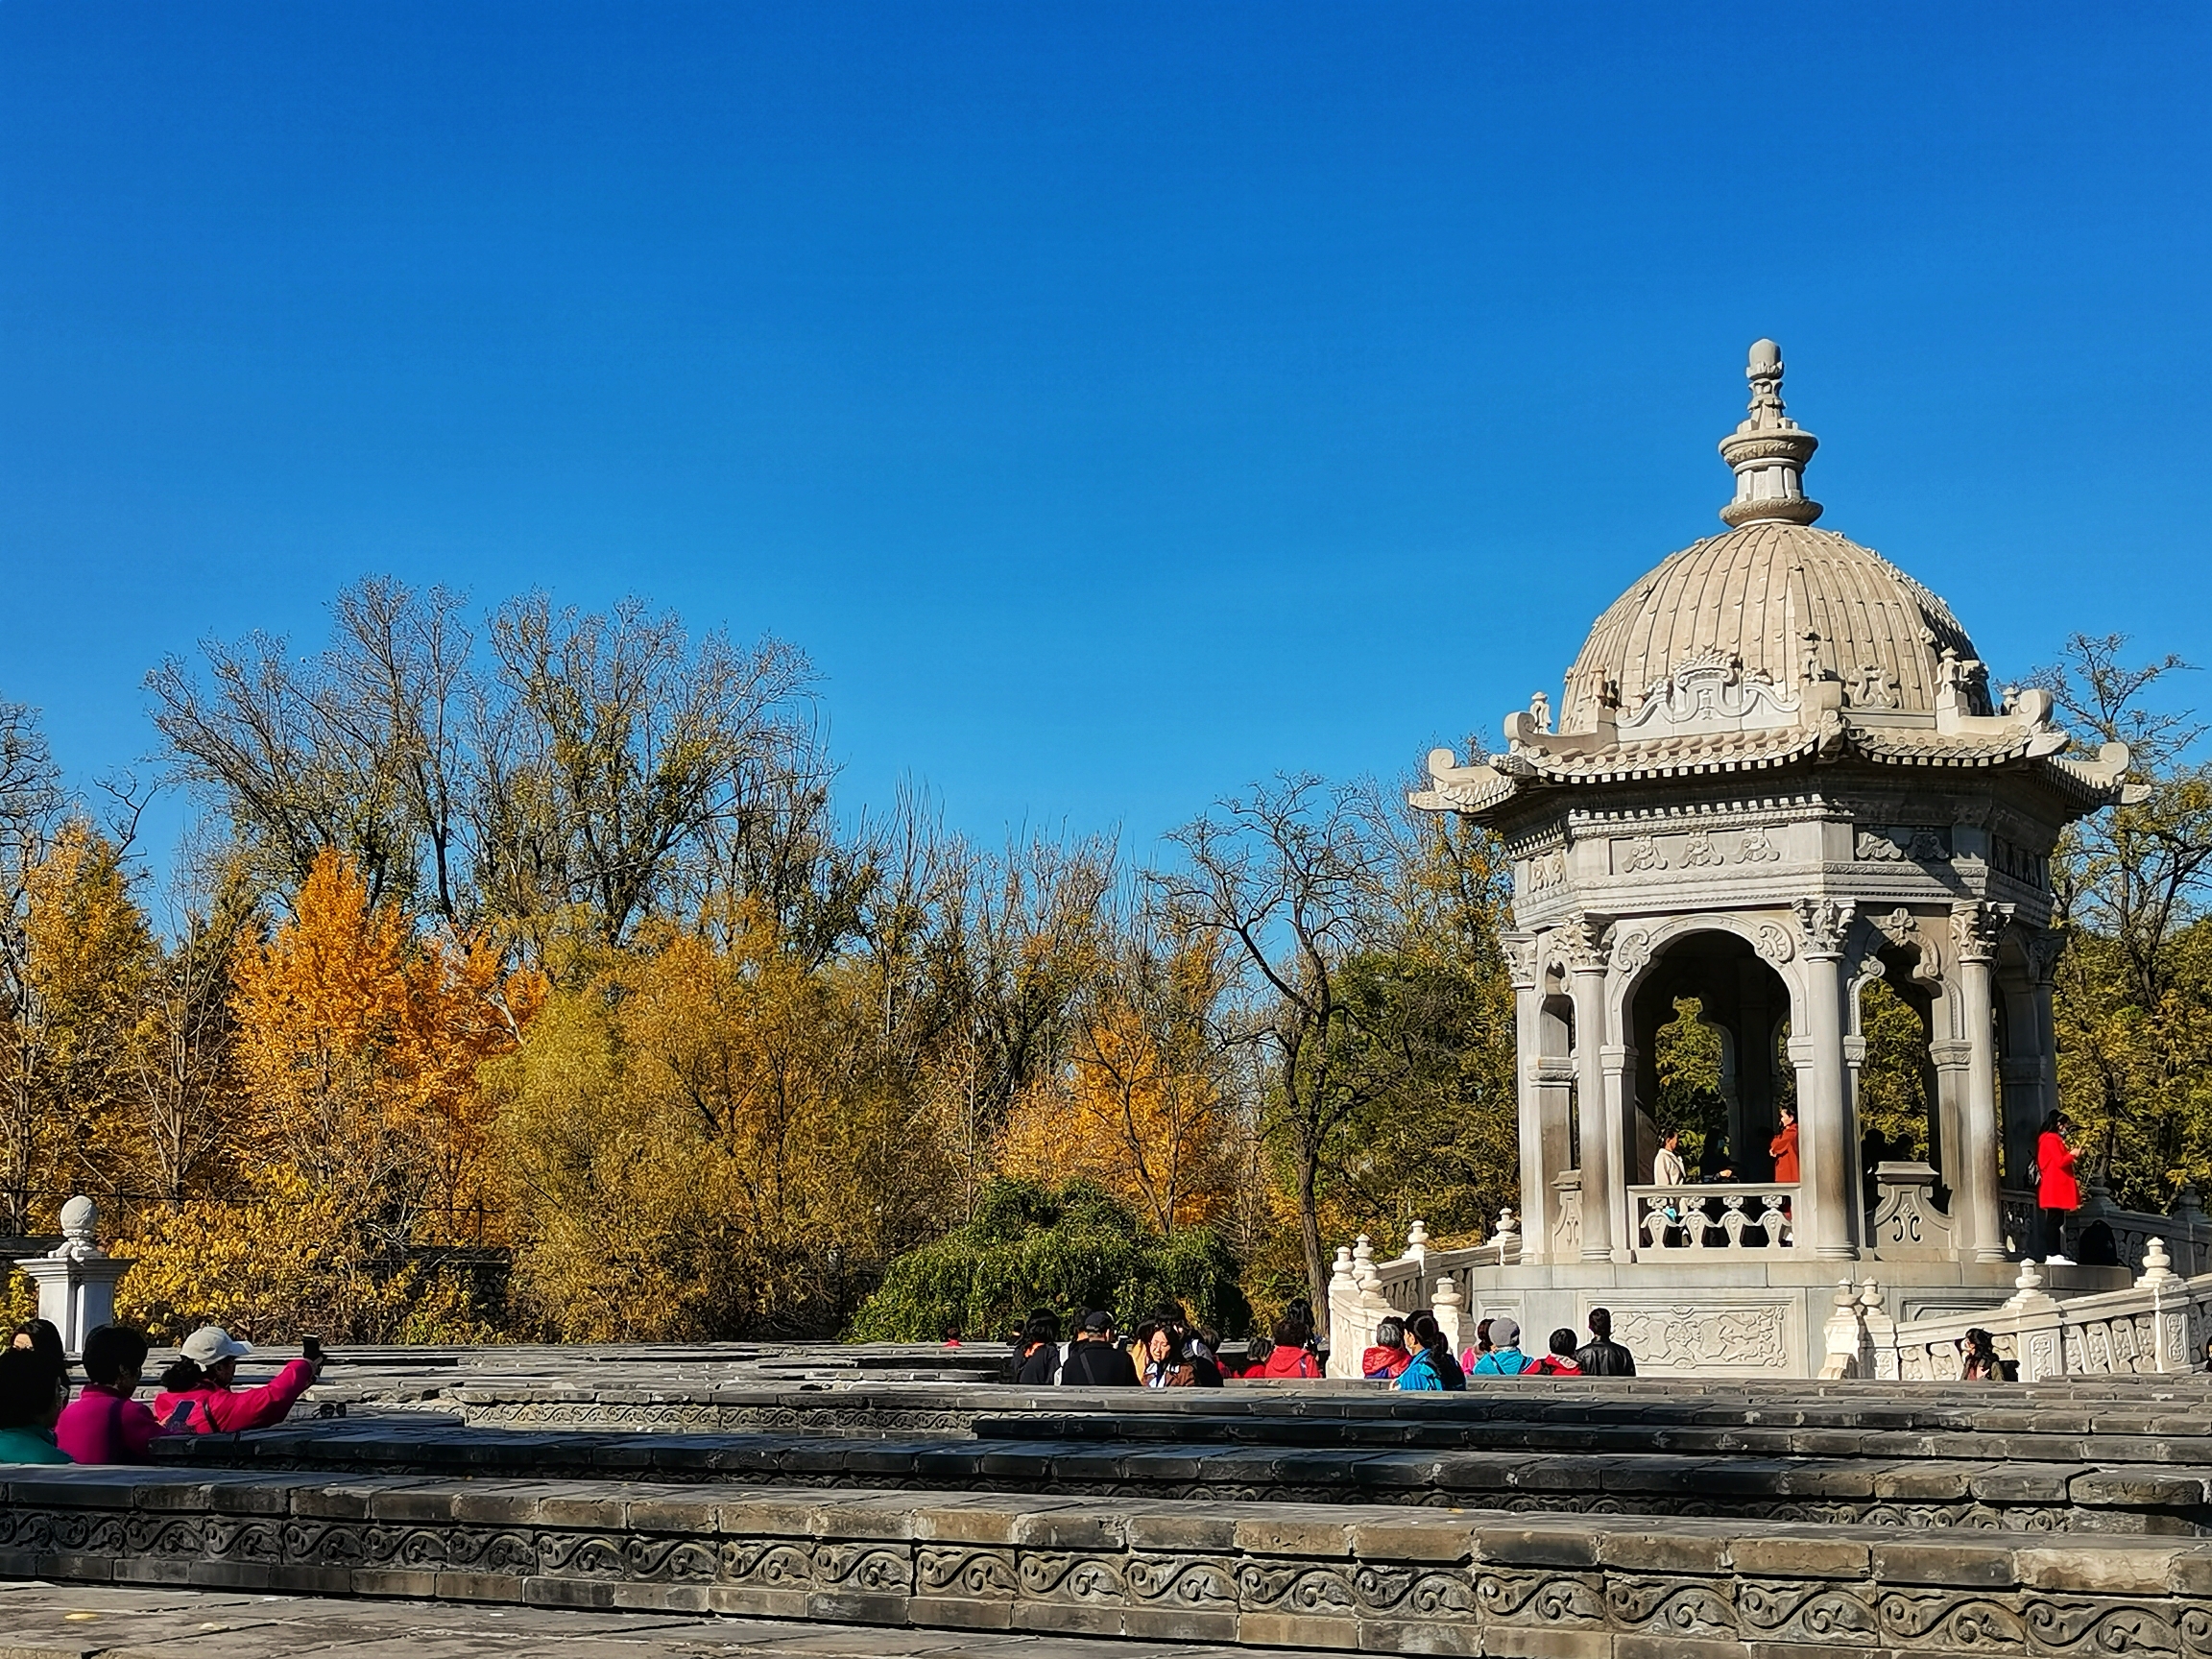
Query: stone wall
x: 1376, y: 1580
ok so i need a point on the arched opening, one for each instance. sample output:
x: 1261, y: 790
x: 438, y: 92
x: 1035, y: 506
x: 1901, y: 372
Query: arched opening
x: 1897, y: 1121
x: 1710, y: 1025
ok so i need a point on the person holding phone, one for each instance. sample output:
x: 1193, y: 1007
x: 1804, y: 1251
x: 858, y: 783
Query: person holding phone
x: 196, y: 1396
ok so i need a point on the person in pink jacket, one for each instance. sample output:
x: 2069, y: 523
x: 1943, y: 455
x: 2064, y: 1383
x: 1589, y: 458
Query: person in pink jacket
x: 196, y: 1397
x: 104, y: 1424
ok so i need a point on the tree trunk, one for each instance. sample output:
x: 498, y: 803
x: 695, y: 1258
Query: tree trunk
x: 1310, y: 1233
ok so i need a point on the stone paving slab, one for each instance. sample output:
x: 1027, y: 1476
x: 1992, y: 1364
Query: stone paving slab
x: 1319, y: 1576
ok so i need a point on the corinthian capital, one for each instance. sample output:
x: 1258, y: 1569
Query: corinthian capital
x: 1523, y: 958
x: 1976, y: 928
x: 1823, y: 922
x: 1582, y: 942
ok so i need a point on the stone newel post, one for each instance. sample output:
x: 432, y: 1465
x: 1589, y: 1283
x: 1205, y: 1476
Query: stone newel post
x: 77, y: 1279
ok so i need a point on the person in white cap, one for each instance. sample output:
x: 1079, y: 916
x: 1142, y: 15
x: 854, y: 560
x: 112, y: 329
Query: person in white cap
x: 196, y: 1397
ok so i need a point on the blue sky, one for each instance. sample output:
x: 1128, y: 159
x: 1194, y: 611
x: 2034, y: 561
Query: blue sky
x: 1119, y: 404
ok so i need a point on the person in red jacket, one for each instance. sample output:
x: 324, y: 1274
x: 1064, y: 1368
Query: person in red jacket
x: 1389, y: 1359
x: 2057, y: 1191
x: 196, y: 1397
x: 1287, y: 1360
x: 104, y: 1424
x: 1783, y: 1149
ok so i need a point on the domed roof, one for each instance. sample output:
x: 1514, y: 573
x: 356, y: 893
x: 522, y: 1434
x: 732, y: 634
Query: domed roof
x: 1773, y: 598
x: 1753, y: 596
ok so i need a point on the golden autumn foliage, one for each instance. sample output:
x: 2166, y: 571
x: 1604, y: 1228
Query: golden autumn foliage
x: 79, y: 952
x: 1139, y: 1107
x: 700, y: 1139
x: 362, y: 1134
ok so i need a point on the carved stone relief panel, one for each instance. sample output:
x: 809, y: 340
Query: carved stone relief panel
x: 1745, y: 1337
x: 1903, y: 844
x: 1704, y: 849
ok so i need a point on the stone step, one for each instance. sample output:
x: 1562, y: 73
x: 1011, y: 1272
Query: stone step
x: 1343, y: 1577
x: 2014, y: 1493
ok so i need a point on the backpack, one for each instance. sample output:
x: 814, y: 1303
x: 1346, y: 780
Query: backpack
x: 1492, y: 1364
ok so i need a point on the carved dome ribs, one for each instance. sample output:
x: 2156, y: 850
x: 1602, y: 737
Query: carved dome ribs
x: 1752, y: 595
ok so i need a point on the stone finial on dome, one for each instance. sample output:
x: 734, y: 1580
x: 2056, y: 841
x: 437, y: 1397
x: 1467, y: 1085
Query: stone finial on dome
x: 1768, y: 451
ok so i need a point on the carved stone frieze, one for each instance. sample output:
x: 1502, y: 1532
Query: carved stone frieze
x: 1758, y: 848
x: 1902, y: 844
x: 1706, y: 693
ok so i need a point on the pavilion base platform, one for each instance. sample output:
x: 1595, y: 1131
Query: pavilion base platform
x: 1734, y: 1314
x: 1341, y: 1577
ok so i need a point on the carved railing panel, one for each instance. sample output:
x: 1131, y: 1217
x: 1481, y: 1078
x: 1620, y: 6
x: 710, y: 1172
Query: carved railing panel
x: 1673, y: 1222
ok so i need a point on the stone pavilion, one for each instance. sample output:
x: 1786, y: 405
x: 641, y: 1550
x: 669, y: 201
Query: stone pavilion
x: 1778, y: 772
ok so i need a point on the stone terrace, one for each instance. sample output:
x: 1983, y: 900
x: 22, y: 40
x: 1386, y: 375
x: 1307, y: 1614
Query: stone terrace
x: 889, y: 1488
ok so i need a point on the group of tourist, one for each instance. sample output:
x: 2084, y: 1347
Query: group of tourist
x: 1412, y: 1353
x: 1167, y: 1351
x: 106, y: 1423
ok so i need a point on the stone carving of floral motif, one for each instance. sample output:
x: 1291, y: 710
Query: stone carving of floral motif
x: 1632, y: 950
x: 1902, y: 928
x: 1643, y: 854
x: 1700, y: 852
x: 2044, y: 945
x: 1902, y: 843
x: 1758, y: 848
x: 1709, y: 692
x: 1772, y: 941
x: 1523, y: 958
x: 1823, y: 922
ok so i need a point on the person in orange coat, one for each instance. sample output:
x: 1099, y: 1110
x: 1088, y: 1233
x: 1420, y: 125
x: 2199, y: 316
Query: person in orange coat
x: 2057, y: 1191
x: 1783, y: 1148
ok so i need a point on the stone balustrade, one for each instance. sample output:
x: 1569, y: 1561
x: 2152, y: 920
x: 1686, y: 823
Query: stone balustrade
x: 1721, y: 1216
x: 1363, y: 1291
x: 2157, y: 1324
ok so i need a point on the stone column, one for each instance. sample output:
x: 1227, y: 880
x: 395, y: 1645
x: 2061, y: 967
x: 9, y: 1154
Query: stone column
x: 1620, y: 1065
x: 1976, y: 1208
x: 1827, y: 1149
x: 1853, y: 1061
x: 2029, y: 1075
x: 1522, y: 955
x: 1582, y: 938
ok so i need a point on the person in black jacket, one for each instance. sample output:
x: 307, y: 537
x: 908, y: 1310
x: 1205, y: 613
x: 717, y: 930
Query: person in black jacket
x: 1098, y: 1361
x: 1038, y: 1361
x: 1603, y: 1357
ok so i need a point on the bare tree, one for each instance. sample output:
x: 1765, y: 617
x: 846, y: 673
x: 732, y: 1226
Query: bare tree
x: 1291, y: 875
x: 609, y: 748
